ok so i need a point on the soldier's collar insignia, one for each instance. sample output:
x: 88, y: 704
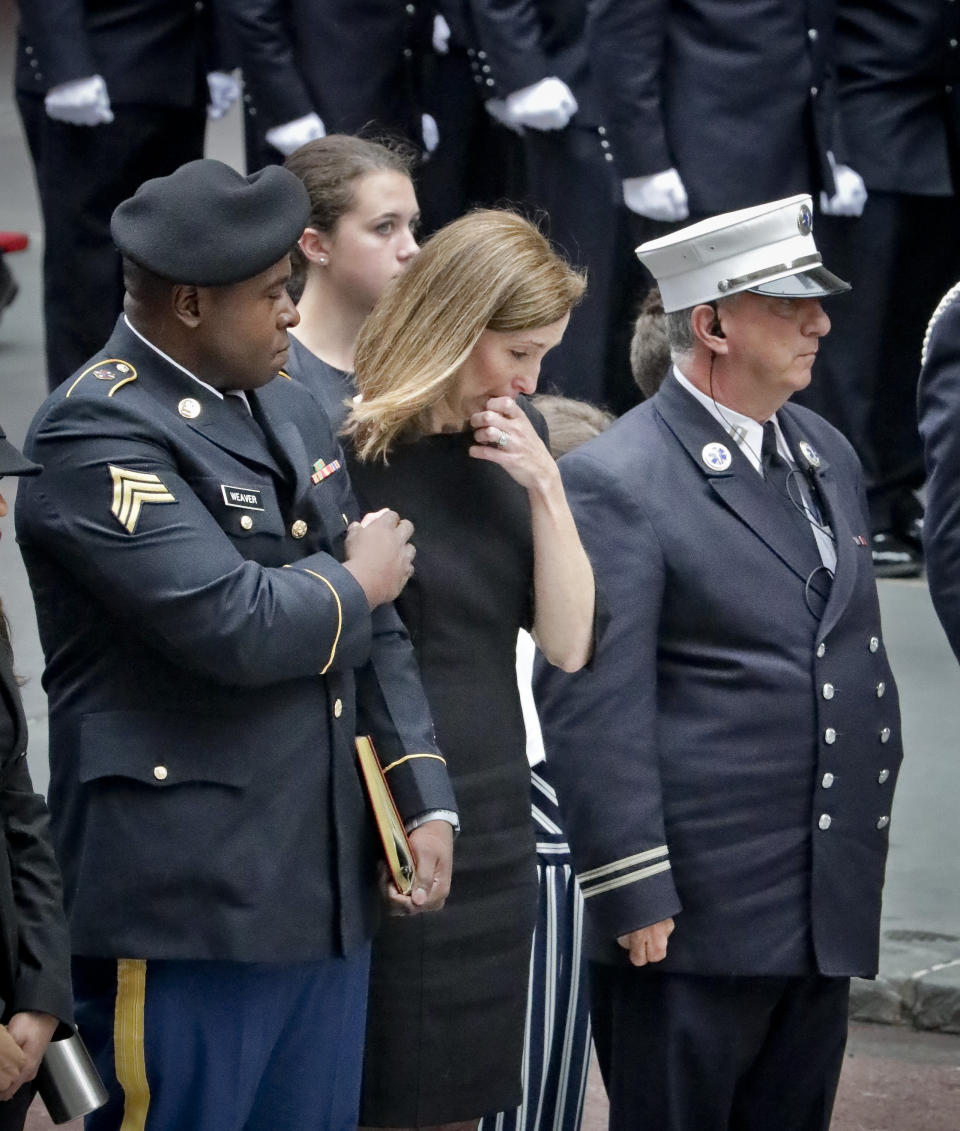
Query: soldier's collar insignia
x: 109, y: 370
x: 131, y: 490
x: 716, y: 456
x: 189, y: 408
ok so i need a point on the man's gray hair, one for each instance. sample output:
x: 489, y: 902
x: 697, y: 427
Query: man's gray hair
x: 680, y: 333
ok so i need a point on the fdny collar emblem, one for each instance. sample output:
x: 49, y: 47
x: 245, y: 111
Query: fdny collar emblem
x: 716, y: 456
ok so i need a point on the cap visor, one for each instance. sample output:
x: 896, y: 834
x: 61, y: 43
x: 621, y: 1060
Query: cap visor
x: 817, y: 282
x: 13, y: 463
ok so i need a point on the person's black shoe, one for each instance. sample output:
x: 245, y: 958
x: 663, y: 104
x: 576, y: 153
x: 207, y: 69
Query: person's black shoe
x: 893, y: 557
x: 8, y: 286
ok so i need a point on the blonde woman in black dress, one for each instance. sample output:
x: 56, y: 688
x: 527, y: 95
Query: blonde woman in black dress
x: 444, y: 434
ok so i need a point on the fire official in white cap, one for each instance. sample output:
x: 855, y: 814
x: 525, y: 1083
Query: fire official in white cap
x: 726, y: 765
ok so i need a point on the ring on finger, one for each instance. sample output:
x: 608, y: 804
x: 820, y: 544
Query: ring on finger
x: 503, y: 439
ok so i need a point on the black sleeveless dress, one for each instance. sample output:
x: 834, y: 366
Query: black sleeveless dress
x: 448, y: 990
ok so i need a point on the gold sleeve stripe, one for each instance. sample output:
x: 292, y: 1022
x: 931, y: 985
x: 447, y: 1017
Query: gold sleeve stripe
x: 336, y: 597
x: 408, y: 758
x: 629, y: 878
x: 131, y: 489
x: 99, y: 365
x: 619, y: 865
x: 128, y: 1046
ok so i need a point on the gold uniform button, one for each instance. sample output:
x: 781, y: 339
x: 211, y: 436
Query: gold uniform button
x: 189, y: 408
x: 299, y: 528
x: 246, y: 522
x: 337, y: 708
x: 160, y: 773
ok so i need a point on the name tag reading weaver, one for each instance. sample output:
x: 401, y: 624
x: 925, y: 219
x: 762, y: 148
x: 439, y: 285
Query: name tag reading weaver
x: 247, y: 498
x: 396, y: 846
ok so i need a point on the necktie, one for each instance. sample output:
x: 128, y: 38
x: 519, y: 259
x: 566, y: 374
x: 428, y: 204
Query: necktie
x: 776, y: 470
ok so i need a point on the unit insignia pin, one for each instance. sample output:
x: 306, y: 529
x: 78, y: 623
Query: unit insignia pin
x: 189, y: 408
x: 716, y: 456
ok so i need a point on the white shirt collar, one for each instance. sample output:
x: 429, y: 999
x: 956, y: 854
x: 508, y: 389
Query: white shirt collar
x: 176, y: 364
x: 745, y: 432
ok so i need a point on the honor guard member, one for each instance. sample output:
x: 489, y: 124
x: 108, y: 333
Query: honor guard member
x: 110, y: 92
x: 939, y: 413
x: 217, y: 627
x: 726, y: 765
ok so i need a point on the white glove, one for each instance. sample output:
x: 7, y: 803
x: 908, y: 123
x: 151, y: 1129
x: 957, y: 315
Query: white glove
x: 546, y: 105
x: 291, y: 135
x: 497, y: 109
x: 429, y: 132
x: 661, y: 196
x: 224, y: 91
x: 441, y: 35
x: 851, y: 194
x: 81, y: 102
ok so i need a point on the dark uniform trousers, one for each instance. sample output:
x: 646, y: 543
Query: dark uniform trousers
x: 209, y: 661
x: 727, y: 761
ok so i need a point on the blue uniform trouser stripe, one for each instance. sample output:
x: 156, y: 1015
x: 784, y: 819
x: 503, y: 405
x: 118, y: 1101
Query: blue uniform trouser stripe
x: 226, y: 1046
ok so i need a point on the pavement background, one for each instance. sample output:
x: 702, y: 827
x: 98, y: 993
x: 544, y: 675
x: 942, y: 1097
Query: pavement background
x: 920, y: 947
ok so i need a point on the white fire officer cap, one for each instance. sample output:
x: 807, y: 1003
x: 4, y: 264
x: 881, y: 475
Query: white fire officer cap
x: 768, y: 249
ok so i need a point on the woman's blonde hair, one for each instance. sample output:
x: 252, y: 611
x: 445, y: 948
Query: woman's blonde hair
x: 488, y: 270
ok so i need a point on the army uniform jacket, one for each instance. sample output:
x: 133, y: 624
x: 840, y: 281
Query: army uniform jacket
x: 729, y: 758
x: 34, y: 945
x: 204, y: 652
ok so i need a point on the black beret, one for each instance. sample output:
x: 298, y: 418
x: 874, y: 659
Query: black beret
x: 209, y: 225
x: 12, y: 462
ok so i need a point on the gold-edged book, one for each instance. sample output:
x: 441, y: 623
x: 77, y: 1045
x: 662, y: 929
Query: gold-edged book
x: 396, y: 846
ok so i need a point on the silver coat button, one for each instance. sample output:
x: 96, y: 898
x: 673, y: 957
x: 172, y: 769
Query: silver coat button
x: 813, y: 35
x: 829, y: 736
x: 882, y: 776
x: 827, y: 690
x: 881, y: 689
x: 824, y: 821
x: 821, y: 650
x: 885, y: 734
x: 874, y: 643
x: 883, y: 822
x: 827, y: 782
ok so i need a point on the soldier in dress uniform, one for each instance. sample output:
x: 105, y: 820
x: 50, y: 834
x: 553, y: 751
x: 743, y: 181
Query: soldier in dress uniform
x: 217, y: 627
x: 726, y: 765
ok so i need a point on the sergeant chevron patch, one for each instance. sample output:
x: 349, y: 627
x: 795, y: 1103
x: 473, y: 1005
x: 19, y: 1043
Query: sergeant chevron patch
x: 131, y: 489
